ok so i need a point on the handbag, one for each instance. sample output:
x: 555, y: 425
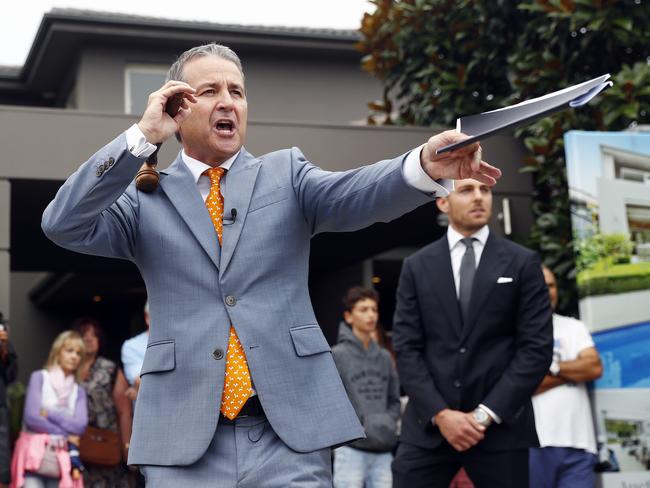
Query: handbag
x: 49, y: 466
x: 100, y: 447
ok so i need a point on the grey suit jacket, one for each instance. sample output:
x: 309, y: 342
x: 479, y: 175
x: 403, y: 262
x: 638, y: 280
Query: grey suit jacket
x: 257, y: 280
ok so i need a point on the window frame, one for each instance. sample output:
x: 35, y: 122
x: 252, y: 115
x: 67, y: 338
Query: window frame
x: 138, y: 68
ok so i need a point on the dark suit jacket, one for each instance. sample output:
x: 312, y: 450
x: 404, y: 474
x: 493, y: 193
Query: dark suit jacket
x: 497, y: 358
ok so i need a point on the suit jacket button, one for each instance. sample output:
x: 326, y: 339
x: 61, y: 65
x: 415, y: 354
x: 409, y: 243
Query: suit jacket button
x: 100, y: 171
x: 111, y: 161
x: 462, y: 350
x: 457, y: 383
x: 217, y: 354
x: 231, y: 301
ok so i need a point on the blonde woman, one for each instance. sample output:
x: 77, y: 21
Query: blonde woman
x: 55, y: 411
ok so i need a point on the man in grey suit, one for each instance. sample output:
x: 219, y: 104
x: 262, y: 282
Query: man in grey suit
x: 238, y: 385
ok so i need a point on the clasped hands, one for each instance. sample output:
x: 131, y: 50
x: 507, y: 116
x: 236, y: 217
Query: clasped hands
x: 460, y: 429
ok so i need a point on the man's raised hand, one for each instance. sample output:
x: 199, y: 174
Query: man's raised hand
x: 156, y: 124
x: 461, y: 163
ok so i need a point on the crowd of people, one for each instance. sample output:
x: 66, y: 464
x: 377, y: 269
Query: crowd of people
x: 77, y: 415
x: 79, y: 388
x: 473, y: 352
x: 566, y: 456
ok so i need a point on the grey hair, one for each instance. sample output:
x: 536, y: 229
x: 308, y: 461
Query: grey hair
x: 211, y: 49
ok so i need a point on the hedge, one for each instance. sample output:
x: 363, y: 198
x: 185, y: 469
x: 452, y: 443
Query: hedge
x: 615, y: 279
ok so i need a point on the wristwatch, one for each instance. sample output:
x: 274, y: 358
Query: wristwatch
x: 482, y: 417
x: 554, y: 369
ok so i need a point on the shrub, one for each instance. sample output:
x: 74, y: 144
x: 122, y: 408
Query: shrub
x: 604, y: 250
x: 614, y: 279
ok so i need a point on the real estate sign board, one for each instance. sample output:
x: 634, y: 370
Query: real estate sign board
x: 609, y: 188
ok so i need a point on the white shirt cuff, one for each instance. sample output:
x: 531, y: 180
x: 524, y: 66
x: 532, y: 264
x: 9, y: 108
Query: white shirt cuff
x: 494, y: 416
x: 137, y: 143
x: 418, y: 179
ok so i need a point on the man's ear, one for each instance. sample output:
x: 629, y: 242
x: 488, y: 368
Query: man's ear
x: 443, y: 204
x: 347, y: 317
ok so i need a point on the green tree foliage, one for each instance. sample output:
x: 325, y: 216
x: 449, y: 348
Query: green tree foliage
x: 607, y: 249
x: 439, y: 59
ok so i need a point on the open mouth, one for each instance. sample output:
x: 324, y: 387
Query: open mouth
x: 225, y: 127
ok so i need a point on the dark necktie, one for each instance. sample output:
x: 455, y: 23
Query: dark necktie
x: 467, y: 272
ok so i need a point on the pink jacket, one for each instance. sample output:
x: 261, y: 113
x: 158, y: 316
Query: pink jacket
x: 28, y: 454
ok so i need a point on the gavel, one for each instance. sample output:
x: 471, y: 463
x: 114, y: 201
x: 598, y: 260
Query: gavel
x: 147, y: 178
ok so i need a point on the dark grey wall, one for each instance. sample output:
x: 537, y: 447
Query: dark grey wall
x: 308, y: 89
x: 32, y: 331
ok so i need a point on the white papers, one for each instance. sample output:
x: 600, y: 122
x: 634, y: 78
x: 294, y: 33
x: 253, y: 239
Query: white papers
x: 487, y: 124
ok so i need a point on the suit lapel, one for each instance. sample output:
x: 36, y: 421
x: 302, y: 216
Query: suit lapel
x: 237, y: 193
x: 494, y: 260
x: 180, y: 188
x: 441, y: 272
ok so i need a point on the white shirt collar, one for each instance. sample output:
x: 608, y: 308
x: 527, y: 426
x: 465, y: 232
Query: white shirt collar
x: 197, y: 168
x: 454, y: 237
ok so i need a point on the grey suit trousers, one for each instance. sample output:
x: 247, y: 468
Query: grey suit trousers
x: 247, y: 454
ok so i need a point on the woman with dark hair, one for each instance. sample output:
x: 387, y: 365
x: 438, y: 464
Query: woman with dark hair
x: 108, y: 407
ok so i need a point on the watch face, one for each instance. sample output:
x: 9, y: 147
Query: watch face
x: 480, y: 416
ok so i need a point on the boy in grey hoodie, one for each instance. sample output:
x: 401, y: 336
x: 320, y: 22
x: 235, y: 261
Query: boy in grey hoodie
x: 371, y: 382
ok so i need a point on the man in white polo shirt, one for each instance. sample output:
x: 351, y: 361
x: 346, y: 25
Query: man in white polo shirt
x: 563, y: 417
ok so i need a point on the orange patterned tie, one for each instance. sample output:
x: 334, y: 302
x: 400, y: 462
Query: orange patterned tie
x: 237, y: 385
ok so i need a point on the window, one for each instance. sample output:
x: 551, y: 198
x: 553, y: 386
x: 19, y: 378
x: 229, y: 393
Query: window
x: 638, y: 221
x: 140, y: 81
x: 637, y: 175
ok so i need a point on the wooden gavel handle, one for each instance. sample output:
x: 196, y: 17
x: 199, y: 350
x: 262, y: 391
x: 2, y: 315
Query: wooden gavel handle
x: 147, y: 178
